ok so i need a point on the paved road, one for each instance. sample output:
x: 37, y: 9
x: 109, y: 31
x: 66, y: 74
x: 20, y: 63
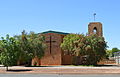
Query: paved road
x: 56, y: 75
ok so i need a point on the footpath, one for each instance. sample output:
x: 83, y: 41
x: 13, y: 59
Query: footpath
x: 61, y: 70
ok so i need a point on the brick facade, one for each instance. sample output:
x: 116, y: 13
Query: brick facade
x: 95, y: 26
x: 53, y: 53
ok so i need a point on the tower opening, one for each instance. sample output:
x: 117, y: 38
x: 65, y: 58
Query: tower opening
x: 95, y: 30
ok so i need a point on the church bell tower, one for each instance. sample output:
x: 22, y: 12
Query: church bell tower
x: 95, y: 28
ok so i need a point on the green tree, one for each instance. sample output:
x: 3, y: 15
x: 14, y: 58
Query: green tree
x: 9, y: 51
x: 96, y: 48
x: 93, y: 46
x: 109, y: 53
x: 68, y: 43
x: 31, y: 45
x: 24, y: 47
x: 37, y: 46
x: 114, y: 50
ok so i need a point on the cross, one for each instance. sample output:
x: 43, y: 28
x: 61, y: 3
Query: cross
x: 50, y: 42
x: 94, y: 16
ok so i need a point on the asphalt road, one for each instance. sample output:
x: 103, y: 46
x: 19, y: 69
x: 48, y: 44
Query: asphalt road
x: 57, y: 75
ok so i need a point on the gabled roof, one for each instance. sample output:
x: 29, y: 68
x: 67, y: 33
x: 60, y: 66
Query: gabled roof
x: 54, y: 32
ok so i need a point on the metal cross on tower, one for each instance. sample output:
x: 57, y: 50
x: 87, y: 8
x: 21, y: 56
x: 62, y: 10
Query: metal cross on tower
x: 50, y: 42
x: 94, y: 16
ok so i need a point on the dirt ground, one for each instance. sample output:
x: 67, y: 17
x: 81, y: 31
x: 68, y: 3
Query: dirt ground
x: 62, y: 70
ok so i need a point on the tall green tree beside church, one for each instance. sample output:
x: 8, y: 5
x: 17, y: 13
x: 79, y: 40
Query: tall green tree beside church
x: 96, y: 48
x: 68, y: 43
x: 24, y: 55
x: 37, y: 45
x: 93, y: 47
x: 31, y: 45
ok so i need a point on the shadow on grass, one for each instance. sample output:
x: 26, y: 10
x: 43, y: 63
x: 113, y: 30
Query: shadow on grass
x: 102, y: 65
x: 99, y: 65
x: 42, y: 66
x: 19, y: 70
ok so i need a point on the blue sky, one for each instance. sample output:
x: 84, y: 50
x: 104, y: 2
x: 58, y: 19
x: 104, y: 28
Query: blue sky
x: 70, y: 16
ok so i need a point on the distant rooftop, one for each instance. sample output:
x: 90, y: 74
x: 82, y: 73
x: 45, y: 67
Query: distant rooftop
x: 54, y: 32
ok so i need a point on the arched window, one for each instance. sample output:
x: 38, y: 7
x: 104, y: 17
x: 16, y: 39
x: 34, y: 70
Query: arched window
x: 95, y: 30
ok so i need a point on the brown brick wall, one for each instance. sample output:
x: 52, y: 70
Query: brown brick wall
x: 53, y: 58
x: 96, y: 25
x: 66, y: 59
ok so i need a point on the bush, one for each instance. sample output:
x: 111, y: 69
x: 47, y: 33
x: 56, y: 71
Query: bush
x: 94, y: 47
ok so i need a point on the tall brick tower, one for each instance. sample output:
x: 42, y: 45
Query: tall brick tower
x: 95, y: 28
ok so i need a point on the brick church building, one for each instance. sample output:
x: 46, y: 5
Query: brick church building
x: 53, y: 53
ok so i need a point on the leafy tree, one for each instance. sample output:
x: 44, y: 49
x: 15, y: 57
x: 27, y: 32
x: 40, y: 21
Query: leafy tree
x: 114, y: 50
x: 68, y: 46
x: 22, y: 48
x: 24, y: 55
x: 93, y: 47
x: 68, y: 43
x: 31, y: 45
x: 9, y: 51
x: 109, y: 53
x: 37, y: 45
x: 96, y: 48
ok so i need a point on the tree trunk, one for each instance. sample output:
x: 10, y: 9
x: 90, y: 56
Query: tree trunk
x: 18, y: 62
x: 7, y: 68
